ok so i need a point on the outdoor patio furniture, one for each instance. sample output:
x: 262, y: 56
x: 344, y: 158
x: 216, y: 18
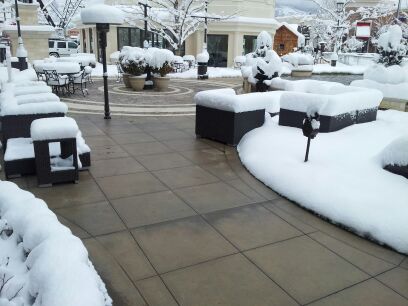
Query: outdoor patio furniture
x: 80, y: 80
x: 223, y: 116
x: 62, y: 168
x: 59, y: 83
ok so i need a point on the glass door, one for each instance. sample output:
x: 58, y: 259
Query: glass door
x: 218, y: 50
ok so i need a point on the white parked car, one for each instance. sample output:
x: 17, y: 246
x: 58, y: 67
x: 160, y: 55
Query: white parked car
x: 59, y: 48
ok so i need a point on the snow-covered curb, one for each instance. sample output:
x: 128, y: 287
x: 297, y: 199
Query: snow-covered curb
x: 46, y: 264
x: 343, y: 180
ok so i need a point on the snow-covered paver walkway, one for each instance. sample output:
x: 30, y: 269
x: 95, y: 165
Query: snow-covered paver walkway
x: 343, y: 180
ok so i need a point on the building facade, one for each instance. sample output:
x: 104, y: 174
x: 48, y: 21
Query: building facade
x: 227, y: 38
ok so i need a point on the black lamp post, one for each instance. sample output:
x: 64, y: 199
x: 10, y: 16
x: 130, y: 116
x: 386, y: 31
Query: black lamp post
x: 310, y: 128
x: 21, y: 52
x: 102, y: 16
x: 148, y: 83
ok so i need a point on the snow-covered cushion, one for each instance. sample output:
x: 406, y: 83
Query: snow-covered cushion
x: 28, y: 90
x: 53, y: 128
x: 396, y: 153
x: 393, y: 91
x: 226, y: 99
x: 37, y: 98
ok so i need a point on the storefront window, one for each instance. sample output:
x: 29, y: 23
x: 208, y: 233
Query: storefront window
x: 218, y: 50
x: 249, y: 44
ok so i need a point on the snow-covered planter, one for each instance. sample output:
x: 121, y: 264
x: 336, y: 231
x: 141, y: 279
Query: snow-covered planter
x: 302, y: 71
x: 223, y: 116
x: 391, y: 46
x: 339, y: 106
x: 202, y: 64
x: 160, y: 63
x: 133, y: 61
x: 42, y: 263
x: 395, y: 157
x: 301, y: 64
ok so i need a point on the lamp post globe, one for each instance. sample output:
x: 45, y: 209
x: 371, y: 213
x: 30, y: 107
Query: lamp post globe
x: 103, y: 16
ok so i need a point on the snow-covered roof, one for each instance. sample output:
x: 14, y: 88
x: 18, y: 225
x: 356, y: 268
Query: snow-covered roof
x: 292, y: 28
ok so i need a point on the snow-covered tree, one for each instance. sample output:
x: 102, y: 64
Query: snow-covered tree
x: 391, y: 46
x: 353, y: 44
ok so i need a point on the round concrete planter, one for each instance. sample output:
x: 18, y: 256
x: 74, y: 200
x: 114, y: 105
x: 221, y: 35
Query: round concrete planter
x: 162, y: 83
x: 126, y: 80
x: 301, y: 73
x: 137, y: 82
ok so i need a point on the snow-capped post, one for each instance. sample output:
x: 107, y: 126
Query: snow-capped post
x: 311, y: 126
x: 103, y: 15
x: 202, y: 64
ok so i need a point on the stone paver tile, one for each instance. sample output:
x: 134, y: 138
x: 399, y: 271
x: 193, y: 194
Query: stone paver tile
x: 368, y: 293
x: 212, y: 197
x: 204, y: 156
x: 107, y: 152
x: 128, y: 254
x: 154, y: 126
x: 214, y: 144
x: 231, y: 280
x: 151, y: 208
x: 131, y: 138
x: 120, y: 129
x: 305, y: 269
x: 221, y: 170
x: 251, y: 226
x: 75, y: 229
x: 119, y: 286
x: 169, y: 134
x: 340, y: 234
x: 369, y: 264
x: 69, y: 194
x: 186, y: 144
x: 98, y: 141
x: 130, y: 184
x: 258, y: 186
x: 181, y: 243
x: 96, y: 219
x: 396, y: 279
x: 163, y: 161
x: 404, y: 264
x: 155, y: 292
x: 185, y: 177
x: 245, y: 189
x: 298, y: 223
x: 117, y: 166
x: 146, y: 148
x: 90, y: 131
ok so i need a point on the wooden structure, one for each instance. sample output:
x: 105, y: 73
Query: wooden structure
x: 285, y: 40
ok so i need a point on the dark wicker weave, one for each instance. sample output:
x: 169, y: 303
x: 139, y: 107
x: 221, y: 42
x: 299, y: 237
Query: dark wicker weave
x: 45, y: 176
x: 16, y: 126
x: 328, y: 123
x: 226, y: 127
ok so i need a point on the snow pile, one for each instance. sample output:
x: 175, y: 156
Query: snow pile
x: 203, y: 57
x: 53, y: 128
x: 212, y: 72
x: 344, y: 179
x: 114, y: 57
x: 101, y: 13
x: 226, y: 99
x: 339, y: 69
x: 396, y: 153
x: 264, y: 42
x: 298, y: 58
x: 62, y: 67
x: 84, y: 59
x: 391, y: 40
x: 17, y: 75
x: 189, y: 58
x: 44, y: 263
x: 37, y: 98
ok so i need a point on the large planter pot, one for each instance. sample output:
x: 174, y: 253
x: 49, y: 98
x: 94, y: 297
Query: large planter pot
x: 126, y: 80
x: 137, y: 82
x: 247, y: 87
x: 162, y: 83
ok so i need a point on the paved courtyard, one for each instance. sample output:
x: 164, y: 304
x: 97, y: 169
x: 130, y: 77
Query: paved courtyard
x: 169, y: 219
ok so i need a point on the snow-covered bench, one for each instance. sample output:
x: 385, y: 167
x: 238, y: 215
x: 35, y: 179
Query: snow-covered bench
x: 46, y: 265
x: 223, y: 116
x: 20, y: 105
x: 339, y: 106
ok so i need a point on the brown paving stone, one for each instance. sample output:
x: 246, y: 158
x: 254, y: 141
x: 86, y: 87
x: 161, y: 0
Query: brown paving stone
x: 251, y: 226
x: 396, y: 279
x: 131, y: 138
x: 204, y: 156
x: 119, y: 286
x: 151, y: 208
x: 146, y: 148
x: 368, y: 263
x: 96, y: 219
x: 163, y: 161
x: 117, y: 166
x: 181, y: 243
x: 155, y: 292
x: 231, y: 280
x: 68, y: 195
x: 368, y: 293
x: 130, y: 184
x: 185, y: 177
x: 221, y: 170
x: 107, y: 152
x: 305, y: 269
x: 127, y: 253
x: 75, y: 229
x: 212, y: 197
x: 298, y: 223
x: 169, y: 134
x: 245, y: 189
x: 98, y: 141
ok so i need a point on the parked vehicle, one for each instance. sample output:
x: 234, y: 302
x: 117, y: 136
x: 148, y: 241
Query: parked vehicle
x: 59, y: 48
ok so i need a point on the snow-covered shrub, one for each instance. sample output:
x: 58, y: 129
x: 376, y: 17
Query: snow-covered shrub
x: 353, y: 44
x: 298, y: 58
x: 391, y: 46
x: 265, y: 69
x: 396, y: 153
x: 133, y: 60
x: 264, y: 43
x: 160, y: 61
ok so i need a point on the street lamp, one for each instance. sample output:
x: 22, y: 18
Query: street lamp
x: 21, y: 52
x: 149, y: 81
x: 340, y: 5
x: 102, y: 16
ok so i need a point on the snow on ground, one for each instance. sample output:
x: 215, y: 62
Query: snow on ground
x: 343, y: 180
x: 340, y: 68
x: 213, y: 72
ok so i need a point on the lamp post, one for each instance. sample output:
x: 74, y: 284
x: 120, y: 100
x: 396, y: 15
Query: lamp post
x: 21, y: 52
x: 103, y: 16
x: 148, y: 83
